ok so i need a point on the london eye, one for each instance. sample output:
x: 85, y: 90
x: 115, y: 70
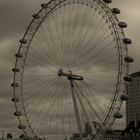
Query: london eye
x: 71, y: 70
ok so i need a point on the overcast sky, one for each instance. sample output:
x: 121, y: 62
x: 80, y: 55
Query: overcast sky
x: 15, y: 16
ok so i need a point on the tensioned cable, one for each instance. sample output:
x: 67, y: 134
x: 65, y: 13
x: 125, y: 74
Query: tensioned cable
x: 92, y: 109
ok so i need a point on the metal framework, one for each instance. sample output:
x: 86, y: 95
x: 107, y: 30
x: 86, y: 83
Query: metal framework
x: 115, y: 27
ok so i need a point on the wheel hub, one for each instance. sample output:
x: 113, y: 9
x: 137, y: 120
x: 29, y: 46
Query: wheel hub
x: 69, y: 75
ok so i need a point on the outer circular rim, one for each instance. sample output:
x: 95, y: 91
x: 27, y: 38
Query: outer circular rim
x: 122, y: 49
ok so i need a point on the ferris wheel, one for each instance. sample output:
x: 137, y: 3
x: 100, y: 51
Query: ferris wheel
x: 71, y: 70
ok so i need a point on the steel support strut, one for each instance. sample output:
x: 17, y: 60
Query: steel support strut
x: 77, y: 114
x: 71, y: 77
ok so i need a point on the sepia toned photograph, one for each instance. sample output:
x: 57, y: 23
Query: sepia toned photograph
x: 69, y: 70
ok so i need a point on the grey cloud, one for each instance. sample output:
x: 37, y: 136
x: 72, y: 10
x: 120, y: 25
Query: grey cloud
x: 16, y: 15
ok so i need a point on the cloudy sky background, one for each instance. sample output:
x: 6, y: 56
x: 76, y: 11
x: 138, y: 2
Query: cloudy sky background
x: 15, y: 16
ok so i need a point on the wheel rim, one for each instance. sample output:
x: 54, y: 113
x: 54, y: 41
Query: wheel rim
x: 96, y: 60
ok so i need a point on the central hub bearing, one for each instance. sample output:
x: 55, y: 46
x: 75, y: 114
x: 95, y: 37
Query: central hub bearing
x: 69, y: 75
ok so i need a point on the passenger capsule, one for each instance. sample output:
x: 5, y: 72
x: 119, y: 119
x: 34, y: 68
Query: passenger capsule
x: 36, y: 16
x: 118, y: 115
x: 124, y: 97
x: 128, y: 78
x: 122, y: 24
x: 107, y: 1
x: 44, y: 5
x: 21, y: 127
x: 15, y: 70
x: 129, y: 59
x: 127, y: 41
x: 116, y: 11
x: 18, y: 55
x: 18, y: 113
x: 15, y: 99
x: 15, y: 85
x: 23, y: 41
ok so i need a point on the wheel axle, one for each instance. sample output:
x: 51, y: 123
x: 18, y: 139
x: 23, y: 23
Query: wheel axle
x: 69, y: 75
